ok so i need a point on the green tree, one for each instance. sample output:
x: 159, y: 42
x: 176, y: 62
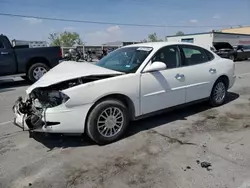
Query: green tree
x: 65, y: 39
x: 152, y: 38
x: 180, y: 33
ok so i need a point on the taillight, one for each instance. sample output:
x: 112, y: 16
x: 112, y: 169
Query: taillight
x: 60, y: 53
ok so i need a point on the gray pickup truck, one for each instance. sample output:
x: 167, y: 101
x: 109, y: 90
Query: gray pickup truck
x: 29, y: 63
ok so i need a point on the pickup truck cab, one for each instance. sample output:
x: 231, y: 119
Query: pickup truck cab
x: 29, y: 63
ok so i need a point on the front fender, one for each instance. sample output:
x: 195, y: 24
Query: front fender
x: 127, y: 85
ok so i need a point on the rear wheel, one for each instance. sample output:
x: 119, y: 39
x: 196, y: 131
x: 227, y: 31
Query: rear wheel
x: 232, y: 57
x: 219, y: 93
x: 107, y: 121
x: 36, y: 71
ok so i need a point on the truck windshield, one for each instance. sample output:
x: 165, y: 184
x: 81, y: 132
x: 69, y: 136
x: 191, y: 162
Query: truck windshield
x: 126, y: 60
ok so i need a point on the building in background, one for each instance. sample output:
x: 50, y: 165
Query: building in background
x: 207, y: 39
x: 239, y: 30
x: 31, y: 44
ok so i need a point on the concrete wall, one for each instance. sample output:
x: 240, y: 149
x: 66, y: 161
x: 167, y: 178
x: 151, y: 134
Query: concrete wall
x: 205, y: 40
x: 234, y: 40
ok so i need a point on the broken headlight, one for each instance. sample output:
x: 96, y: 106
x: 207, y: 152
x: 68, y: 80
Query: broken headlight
x: 57, y: 97
x: 50, y: 98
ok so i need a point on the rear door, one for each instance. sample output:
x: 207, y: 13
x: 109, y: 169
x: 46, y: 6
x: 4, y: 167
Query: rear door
x: 200, y: 72
x: 7, y: 61
x: 241, y: 52
x: 246, y: 52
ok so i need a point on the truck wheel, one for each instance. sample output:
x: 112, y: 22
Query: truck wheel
x: 107, y: 121
x: 232, y: 57
x: 36, y: 71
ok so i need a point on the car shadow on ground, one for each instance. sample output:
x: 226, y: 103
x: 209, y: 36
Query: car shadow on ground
x: 174, y: 115
x: 10, y: 83
x: 52, y: 141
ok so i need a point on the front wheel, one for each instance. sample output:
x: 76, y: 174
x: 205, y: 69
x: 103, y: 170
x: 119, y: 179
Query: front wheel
x: 219, y: 93
x: 107, y: 121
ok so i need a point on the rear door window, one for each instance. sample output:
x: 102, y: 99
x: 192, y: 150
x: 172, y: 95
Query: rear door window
x: 210, y: 56
x: 193, y: 55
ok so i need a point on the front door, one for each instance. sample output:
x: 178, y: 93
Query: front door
x: 7, y: 61
x: 166, y: 88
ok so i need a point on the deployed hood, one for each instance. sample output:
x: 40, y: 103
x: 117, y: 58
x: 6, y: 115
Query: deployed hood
x: 222, y: 46
x: 69, y: 70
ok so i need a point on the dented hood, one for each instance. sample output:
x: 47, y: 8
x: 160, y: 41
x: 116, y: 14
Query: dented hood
x: 69, y: 70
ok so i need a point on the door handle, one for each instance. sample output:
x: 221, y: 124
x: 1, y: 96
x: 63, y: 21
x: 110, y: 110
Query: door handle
x: 4, y: 53
x: 212, y: 70
x: 179, y: 76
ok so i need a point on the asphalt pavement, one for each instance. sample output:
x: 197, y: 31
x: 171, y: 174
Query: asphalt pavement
x: 196, y: 147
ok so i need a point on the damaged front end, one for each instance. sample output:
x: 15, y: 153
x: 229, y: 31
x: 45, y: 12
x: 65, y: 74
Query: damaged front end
x: 31, y: 112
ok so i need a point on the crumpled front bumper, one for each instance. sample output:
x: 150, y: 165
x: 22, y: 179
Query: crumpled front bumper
x: 58, y: 119
x: 19, y: 119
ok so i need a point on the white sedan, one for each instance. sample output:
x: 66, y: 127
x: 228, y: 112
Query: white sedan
x: 129, y: 83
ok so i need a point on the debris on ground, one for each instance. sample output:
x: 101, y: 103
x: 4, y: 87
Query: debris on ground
x: 206, y: 165
x: 227, y: 148
x: 204, y: 145
x: 187, y: 168
x: 246, y: 126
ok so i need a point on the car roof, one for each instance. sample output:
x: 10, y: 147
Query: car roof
x: 158, y: 45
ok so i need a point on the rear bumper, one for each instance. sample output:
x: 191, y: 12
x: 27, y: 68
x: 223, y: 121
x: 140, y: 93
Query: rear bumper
x: 55, y: 120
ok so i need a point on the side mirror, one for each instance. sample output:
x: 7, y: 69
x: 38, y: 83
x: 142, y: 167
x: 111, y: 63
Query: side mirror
x: 155, y: 66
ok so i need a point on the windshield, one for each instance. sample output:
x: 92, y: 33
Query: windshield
x: 126, y: 60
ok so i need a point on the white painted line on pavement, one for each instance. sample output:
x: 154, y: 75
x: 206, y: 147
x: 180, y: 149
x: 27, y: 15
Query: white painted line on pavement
x: 242, y: 62
x: 6, y: 122
x: 244, y: 74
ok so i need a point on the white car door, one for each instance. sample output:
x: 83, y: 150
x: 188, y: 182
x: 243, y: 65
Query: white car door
x: 165, y: 88
x: 200, y: 72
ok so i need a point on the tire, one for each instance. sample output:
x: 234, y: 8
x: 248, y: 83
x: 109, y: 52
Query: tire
x: 232, y: 57
x: 213, y: 100
x: 94, y: 132
x: 36, y: 66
